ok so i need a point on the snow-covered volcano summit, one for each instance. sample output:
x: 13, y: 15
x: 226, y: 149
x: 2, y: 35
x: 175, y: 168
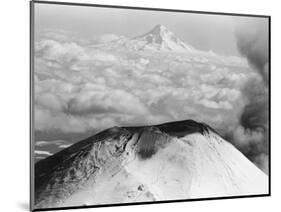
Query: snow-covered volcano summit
x: 177, y: 160
x: 160, y: 38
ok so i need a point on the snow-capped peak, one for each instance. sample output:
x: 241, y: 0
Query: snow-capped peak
x: 176, y: 160
x: 161, y: 38
x: 159, y: 30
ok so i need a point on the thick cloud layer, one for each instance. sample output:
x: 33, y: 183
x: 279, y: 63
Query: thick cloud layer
x: 81, y: 89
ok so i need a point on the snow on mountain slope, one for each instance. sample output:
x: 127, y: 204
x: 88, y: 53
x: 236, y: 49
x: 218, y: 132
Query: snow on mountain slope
x: 158, y: 39
x: 178, y: 160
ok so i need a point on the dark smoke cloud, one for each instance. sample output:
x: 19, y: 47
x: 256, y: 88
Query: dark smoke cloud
x: 251, y: 134
x: 255, y: 114
x: 252, y: 42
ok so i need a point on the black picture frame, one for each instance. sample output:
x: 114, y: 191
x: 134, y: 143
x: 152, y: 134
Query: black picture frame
x: 34, y: 2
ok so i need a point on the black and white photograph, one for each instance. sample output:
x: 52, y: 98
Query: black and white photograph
x: 135, y: 105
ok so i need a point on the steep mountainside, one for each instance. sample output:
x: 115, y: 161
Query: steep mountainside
x: 158, y: 39
x: 178, y: 160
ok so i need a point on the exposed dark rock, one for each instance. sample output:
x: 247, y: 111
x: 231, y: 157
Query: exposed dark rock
x: 62, y: 173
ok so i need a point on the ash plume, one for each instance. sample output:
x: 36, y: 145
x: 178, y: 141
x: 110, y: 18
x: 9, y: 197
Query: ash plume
x: 252, y: 42
x: 251, y: 135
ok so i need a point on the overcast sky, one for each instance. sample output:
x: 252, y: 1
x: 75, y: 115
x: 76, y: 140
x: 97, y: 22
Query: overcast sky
x: 206, y: 32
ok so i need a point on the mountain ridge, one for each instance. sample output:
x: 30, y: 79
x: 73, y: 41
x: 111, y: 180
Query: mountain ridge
x: 126, y: 164
x: 178, y: 128
x: 159, y: 39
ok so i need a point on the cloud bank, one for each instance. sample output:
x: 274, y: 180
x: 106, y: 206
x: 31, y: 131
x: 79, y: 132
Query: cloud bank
x: 82, y: 88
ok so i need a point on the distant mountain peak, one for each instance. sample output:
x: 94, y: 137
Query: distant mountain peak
x: 161, y: 38
x: 159, y: 29
x: 160, y: 26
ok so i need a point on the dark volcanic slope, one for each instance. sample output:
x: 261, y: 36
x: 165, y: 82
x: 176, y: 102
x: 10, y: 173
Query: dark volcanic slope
x: 177, y: 128
x: 64, y: 171
x: 183, y: 128
x: 45, y: 169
